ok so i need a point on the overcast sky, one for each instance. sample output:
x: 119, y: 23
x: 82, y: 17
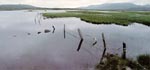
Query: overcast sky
x: 69, y: 3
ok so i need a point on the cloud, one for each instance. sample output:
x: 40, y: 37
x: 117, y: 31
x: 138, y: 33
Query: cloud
x: 68, y: 3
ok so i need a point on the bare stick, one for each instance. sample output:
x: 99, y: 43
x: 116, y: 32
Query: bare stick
x: 53, y: 29
x: 39, y: 19
x: 104, y: 43
x: 64, y: 31
x: 79, y: 31
x: 124, y: 51
x: 35, y: 20
x: 81, y: 40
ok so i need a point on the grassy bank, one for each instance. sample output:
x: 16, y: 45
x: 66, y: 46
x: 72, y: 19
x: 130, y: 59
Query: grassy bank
x: 95, y: 17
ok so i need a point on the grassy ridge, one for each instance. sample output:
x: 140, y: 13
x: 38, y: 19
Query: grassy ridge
x: 95, y: 17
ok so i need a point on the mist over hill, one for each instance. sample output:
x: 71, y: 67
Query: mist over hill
x: 119, y: 6
x: 106, y: 6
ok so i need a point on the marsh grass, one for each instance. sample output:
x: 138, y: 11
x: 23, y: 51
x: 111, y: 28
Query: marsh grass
x: 144, y: 60
x: 97, y: 17
x: 112, y: 62
x: 115, y: 62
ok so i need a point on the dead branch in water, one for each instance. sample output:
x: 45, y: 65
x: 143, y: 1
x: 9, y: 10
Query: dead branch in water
x: 81, y: 40
x: 53, y: 29
x: 124, y: 51
x: 104, y: 44
x: 64, y: 31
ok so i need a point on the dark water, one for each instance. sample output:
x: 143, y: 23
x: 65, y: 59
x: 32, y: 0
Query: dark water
x: 22, y: 48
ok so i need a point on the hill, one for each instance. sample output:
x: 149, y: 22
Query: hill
x: 16, y: 7
x: 119, y: 6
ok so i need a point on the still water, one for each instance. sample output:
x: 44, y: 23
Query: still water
x: 22, y: 48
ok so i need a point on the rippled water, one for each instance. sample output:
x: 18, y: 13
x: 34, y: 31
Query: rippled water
x: 22, y: 48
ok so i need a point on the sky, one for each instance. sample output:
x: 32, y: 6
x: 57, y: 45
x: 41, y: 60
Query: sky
x: 70, y: 3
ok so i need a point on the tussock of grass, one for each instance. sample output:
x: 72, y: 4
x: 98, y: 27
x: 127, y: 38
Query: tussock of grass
x: 112, y: 62
x: 144, y: 60
x: 115, y: 62
x: 95, y: 17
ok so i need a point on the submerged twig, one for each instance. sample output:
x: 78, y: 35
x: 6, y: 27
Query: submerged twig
x: 95, y: 42
x: 38, y: 32
x: 29, y: 33
x: 47, y: 31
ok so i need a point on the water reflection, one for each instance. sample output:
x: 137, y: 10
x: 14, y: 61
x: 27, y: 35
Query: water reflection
x: 25, y: 46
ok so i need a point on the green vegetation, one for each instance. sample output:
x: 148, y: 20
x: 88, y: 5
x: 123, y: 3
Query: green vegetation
x: 96, y: 17
x: 144, y: 60
x: 114, y: 62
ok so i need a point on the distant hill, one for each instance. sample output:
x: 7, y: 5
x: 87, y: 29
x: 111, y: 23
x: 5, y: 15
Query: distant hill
x: 119, y: 6
x: 16, y: 7
x: 24, y: 7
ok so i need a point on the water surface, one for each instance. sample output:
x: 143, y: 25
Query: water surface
x: 22, y: 48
